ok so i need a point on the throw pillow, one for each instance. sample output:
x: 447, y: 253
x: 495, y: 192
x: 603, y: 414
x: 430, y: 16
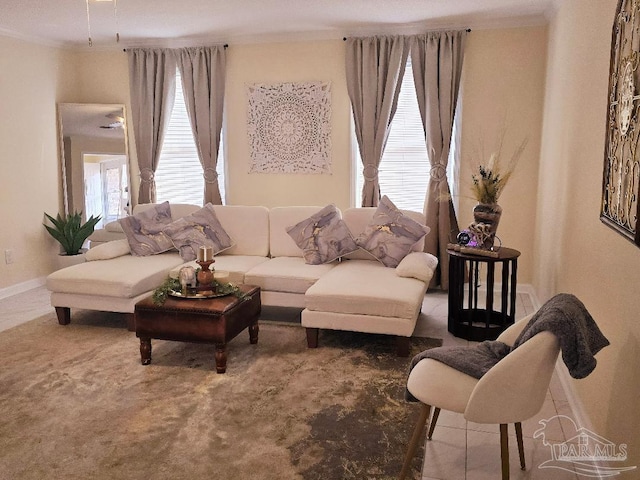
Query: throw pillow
x: 144, y: 230
x: 105, y: 251
x: 390, y: 234
x: 323, y: 237
x: 114, y: 227
x: 200, y: 229
x: 420, y: 265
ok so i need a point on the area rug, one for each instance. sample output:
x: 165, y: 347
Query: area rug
x: 76, y: 403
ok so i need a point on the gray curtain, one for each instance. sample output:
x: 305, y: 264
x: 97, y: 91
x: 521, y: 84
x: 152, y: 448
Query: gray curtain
x: 152, y: 83
x: 437, y: 66
x: 374, y: 66
x: 203, y: 81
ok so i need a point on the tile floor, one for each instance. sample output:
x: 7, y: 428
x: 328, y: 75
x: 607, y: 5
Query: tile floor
x: 459, y: 450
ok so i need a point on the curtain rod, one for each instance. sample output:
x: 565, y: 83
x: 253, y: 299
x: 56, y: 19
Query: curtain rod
x: 226, y: 45
x: 345, y: 38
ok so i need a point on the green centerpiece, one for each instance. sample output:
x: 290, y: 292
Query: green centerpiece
x: 171, y: 285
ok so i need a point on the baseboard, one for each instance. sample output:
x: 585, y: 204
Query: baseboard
x: 525, y: 289
x: 22, y: 287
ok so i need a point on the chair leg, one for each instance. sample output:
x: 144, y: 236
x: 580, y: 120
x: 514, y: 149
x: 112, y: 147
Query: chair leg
x: 518, y: 426
x: 432, y: 423
x: 415, y: 440
x: 504, y: 451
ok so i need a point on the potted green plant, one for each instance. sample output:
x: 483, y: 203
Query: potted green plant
x: 70, y: 232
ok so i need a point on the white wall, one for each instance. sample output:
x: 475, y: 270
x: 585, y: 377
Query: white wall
x: 574, y: 251
x: 278, y: 63
x: 502, y: 95
x: 29, y: 168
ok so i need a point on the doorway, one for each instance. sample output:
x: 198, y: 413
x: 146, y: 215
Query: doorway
x: 106, y: 186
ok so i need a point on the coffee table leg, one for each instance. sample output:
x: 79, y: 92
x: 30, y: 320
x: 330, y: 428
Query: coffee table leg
x: 253, y: 333
x: 221, y: 357
x: 145, y: 351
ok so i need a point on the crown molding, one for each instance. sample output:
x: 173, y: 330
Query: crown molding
x: 246, y: 38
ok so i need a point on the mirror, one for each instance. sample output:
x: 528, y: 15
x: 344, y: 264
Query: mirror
x: 95, y: 160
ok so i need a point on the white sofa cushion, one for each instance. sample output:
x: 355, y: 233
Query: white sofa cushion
x: 114, y: 227
x: 105, y: 251
x: 286, y: 274
x: 236, y: 265
x: 280, y: 219
x: 368, y: 288
x: 125, y: 276
x: 248, y: 226
x: 178, y: 210
x: 101, y: 236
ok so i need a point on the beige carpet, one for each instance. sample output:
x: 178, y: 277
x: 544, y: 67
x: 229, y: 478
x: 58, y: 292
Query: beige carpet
x: 75, y: 403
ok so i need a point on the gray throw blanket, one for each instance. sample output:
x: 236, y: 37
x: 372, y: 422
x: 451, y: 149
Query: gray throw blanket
x: 563, y: 315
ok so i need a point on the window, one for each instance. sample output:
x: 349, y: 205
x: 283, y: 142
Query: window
x: 106, y: 191
x: 403, y: 173
x: 179, y: 174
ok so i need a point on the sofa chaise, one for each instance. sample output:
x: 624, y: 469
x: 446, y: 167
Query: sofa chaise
x: 354, y: 292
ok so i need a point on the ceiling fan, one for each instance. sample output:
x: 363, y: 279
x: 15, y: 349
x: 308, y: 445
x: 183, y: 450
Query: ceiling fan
x: 118, y: 121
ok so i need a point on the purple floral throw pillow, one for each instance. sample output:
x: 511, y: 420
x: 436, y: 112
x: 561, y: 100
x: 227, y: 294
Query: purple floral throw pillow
x: 200, y: 229
x: 323, y: 237
x: 390, y: 234
x: 144, y: 230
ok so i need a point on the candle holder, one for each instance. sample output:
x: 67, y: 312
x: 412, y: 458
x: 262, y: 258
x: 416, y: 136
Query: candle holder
x: 205, y: 276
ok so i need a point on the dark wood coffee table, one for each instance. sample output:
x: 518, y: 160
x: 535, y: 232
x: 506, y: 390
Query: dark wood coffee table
x: 210, y: 320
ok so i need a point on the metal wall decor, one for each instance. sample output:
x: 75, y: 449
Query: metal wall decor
x: 289, y: 127
x: 621, y: 181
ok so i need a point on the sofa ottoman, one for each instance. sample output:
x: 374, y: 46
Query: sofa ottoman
x: 363, y: 296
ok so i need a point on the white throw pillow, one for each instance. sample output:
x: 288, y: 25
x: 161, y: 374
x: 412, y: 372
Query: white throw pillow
x: 105, y: 251
x: 420, y: 265
x: 114, y: 227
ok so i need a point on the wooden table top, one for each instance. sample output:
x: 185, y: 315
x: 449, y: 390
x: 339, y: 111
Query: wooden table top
x: 504, y: 253
x: 211, y: 305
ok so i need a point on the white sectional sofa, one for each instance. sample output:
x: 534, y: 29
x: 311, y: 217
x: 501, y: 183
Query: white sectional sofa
x: 355, y: 292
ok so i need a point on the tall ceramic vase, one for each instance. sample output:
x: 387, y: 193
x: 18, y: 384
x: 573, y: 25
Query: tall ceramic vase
x: 486, y: 218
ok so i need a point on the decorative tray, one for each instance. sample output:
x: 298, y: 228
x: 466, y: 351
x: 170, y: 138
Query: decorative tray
x: 200, y: 295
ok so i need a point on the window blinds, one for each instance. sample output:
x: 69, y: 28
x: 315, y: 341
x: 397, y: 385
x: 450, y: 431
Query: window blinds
x: 179, y: 173
x: 404, y: 170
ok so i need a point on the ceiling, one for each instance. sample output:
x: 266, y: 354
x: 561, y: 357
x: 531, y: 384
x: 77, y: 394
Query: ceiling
x: 196, y: 22
x: 90, y: 120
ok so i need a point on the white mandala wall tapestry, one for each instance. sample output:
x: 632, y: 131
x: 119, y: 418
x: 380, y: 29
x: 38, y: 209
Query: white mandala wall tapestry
x: 289, y: 127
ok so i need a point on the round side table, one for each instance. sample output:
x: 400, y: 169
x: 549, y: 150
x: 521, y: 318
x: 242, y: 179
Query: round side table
x: 471, y: 320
